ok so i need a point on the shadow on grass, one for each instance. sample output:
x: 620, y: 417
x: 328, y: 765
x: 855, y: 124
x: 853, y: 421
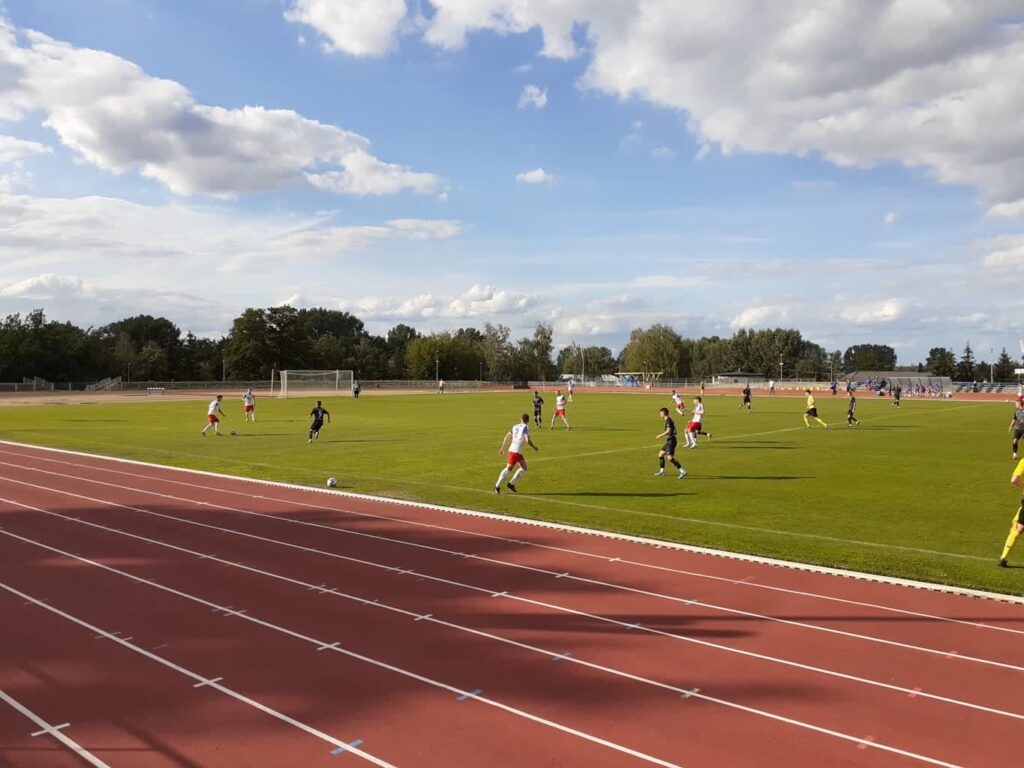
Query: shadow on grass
x: 739, y: 446
x: 755, y: 477
x: 615, y: 493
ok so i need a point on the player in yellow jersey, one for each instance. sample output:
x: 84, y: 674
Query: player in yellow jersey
x: 812, y: 412
x: 1017, y: 524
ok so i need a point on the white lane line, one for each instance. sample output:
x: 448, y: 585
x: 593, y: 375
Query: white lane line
x: 56, y: 731
x: 686, y: 693
x: 480, y: 590
x: 194, y: 676
x: 336, y: 648
x: 580, y: 553
x: 496, y: 561
x: 522, y: 521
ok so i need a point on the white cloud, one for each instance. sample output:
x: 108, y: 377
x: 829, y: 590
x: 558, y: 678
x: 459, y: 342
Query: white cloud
x: 761, y: 316
x: 12, y: 149
x: 932, y: 84
x: 355, y: 27
x: 522, y: 69
x: 662, y: 153
x: 533, y: 96
x: 479, y: 301
x: 117, y: 118
x: 890, y: 218
x: 536, y: 176
x: 877, y: 312
x: 1004, y: 253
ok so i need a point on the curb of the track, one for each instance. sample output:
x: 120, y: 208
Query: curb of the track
x: 658, y: 544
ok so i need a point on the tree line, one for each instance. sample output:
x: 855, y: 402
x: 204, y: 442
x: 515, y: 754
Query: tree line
x: 264, y: 340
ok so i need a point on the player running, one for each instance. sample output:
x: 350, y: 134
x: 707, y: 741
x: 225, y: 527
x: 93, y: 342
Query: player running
x: 1017, y: 425
x: 696, y: 425
x: 569, y: 390
x: 897, y: 393
x: 668, y: 450
x: 678, y: 400
x: 746, y: 397
x: 851, y: 411
x: 560, y: 410
x: 212, y: 413
x: 538, y: 407
x: 1017, y: 524
x: 249, y: 406
x: 812, y: 412
x: 316, y: 417
x: 515, y: 439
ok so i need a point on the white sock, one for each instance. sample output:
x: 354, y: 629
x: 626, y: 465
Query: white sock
x: 517, y: 475
x: 502, y: 476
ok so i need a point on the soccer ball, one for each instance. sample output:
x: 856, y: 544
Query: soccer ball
x: 331, y: 482
x: 233, y: 433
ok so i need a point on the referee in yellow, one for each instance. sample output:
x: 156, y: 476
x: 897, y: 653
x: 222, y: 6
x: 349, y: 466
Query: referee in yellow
x: 1017, y: 525
x: 812, y: 412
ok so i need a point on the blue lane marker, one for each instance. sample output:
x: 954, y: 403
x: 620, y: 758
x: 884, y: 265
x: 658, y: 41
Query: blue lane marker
x: 634, y: 626
x: 465, y: 696
x: 561, y: 656
x: 339, y: 750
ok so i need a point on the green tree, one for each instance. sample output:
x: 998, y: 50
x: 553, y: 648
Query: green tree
x: 1004, y: 367
x: 869, y: 357
x: 592, y: 361
x: 152, y: 363
x: 941, y: 361
x: 535, y: 353
x: 966, y: 369
x: 655, y: 349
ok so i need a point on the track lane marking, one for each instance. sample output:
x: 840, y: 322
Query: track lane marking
x: 56, y: 731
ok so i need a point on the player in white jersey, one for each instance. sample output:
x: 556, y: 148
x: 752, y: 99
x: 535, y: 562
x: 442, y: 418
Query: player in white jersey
x: 514, y: 440
x: 569, y: 388
x: 678, y: 400
x: 249, y: 403
x: 212, y: 412
x: 696, y: 425
x: 559, y: 410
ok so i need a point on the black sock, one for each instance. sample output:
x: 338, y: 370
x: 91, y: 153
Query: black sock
x: 661, y: 462
x: 676, y: 464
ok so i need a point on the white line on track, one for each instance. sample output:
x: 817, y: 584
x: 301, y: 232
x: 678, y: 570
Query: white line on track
x: 481, y: 558
x: 56, y: 731
x: 198, y: 678
x: 493, y: 537
x: 481, y: 590
x: 335, y: 648
x: 686, y: 693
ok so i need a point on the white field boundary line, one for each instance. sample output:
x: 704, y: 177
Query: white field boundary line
x: 204, y: 682
x: 326, y: 645
x: 481, y: 558
x: 658, y: 544
x: 653, y: 446
x: 687, y: 692
x: 400, y: 570
x: 492, y: 537
x: 55, y: 731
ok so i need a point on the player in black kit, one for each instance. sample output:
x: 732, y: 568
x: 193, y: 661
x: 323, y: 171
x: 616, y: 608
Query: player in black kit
x: 316, y: 417
x: 538, y: 406
x: 668, y: 450
x: 746, y: 397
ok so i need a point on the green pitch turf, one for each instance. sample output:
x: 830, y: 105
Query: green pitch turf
x: 921, y: 492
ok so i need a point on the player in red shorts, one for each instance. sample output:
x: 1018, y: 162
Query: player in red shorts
x: 249, y: 405
x: 212, y: 412
x: 559, y: 410
x: 515, y: 439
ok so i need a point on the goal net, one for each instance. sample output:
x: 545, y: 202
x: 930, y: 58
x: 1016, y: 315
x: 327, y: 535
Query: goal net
x: 295, y: 383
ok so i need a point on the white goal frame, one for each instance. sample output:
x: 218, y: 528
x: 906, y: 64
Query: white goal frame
x: 334, y: 382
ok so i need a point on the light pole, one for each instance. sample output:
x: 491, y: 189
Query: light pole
x: 991, y: 366
x: 780, y: 367
x: 437, y: 364
x: 481, y: 372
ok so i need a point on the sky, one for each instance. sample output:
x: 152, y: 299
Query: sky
x: 854, y: 170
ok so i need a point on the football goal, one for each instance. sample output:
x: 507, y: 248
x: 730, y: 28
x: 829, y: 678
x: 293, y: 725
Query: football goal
x: 294, y: 383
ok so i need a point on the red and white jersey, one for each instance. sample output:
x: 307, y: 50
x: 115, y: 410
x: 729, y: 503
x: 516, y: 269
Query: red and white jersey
x: 213, y: 408
x: 249, y: 398
x: 698, y: 413
x: 677, y: 399
x: 520, y: 434
x: 560, y: 403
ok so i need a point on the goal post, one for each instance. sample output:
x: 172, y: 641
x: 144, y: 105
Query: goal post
x: 296, y: 383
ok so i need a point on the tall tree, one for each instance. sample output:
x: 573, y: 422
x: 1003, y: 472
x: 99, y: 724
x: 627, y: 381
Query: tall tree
x: 941, y: 362
x: 1004, y: 367
x: 966, y: 369
x: 657, y: 349
x: 869, y: 357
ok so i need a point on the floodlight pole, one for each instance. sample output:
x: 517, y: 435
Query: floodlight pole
x: 780, y: 367
x: 991, y: 366
x: 437, y: 369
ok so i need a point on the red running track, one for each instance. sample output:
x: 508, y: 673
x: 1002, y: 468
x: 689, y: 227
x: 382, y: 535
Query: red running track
x: 158, y: 617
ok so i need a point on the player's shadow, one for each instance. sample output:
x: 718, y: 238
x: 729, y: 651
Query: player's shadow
x: 617, y: 494
x: 755, y: 446
x: 756, y: 477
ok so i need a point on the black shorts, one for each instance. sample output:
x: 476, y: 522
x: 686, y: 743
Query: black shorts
x: 669, y: 448
x: 315, y: 427
x: 1020, y: 513
x: 1018, y: 434
x: 746, y: 398
x: 812, y: 412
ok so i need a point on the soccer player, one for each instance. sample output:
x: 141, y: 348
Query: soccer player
x: 702, y: 387
x: 746, y: 397
x: 560, y: 410
x: 212, y: 412
x: 668, y: 450
x: 678, y: 400
x: 569, y: 390
x: 812, y: 412
x: 696, y: 425
x: 1017, y: 425
x: 440, y: 386
x: 1017, y: 524
x: 538, y: 407
x: 851, y: 411
x: 897, y: 393
x: 316, y: 418
x: 356, y: 389
x: 515, y: 438
x: 249, y: 406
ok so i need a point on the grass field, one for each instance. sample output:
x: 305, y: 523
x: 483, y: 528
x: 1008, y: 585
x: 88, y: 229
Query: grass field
x: 922, y: 492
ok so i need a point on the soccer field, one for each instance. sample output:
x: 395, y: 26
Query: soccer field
x: 921, y: 492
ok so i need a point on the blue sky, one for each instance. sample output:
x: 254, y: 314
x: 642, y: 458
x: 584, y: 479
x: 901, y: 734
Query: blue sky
x: 710, y: 165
